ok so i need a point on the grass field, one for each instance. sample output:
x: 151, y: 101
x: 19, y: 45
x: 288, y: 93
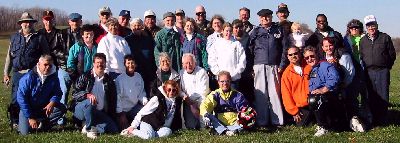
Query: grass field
x: 390, y: 133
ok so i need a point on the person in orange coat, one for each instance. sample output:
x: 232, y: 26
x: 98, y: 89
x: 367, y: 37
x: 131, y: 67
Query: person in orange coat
x: 294, y: 87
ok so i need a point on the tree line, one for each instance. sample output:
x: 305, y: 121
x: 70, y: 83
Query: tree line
x: 10, y: 15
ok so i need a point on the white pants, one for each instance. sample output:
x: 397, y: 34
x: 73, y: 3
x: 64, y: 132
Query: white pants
x: 267, y: 95
x: 147, y: 132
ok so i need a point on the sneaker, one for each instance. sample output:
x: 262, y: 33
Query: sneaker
x: 92, y: 133
x: 84, y: 131
x: 356, y: 125
x: 320, y: 131
x: 230, y: 133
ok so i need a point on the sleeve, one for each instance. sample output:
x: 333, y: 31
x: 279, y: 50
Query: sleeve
x: 149, y: 108
x: 240, y: 101
x: 284, y: 60
x: 392, y: 52
x: 80, y: 90
x: 142, y: 93
x: 72, y: 57
x: 241, y: 61
x: 203, y: 86
x: 7, y: 63
x: 213, y: 59
x: 287, y: 97
x: 119, y: 94
x: 208, y: 104
x: 102, y: 48
x: 210, y: 42
x: 346, y: 62
x: 57, y: 92
x: 157, y: 48
x: 204, y: 54
x: 22, y: 96
x: 332, y: 77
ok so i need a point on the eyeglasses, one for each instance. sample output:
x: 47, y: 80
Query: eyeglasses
x: 224, y: 81
x: 354, y: 28
x: 171, y: 90
x: 310, y: 56
x: 321, y: 21
x: 293, y: 54
x: 201, y: 13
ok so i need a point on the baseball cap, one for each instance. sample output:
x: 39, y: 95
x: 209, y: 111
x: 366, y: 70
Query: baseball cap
x: 179, y: 11
x: 48, y: 15
x: 75, y: 16
x: 168, y: 14
x: 125, y: 13
x: 149, y: 13
x: 370, y: 19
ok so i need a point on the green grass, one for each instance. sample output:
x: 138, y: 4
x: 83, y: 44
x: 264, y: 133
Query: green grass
x: 390, y: 133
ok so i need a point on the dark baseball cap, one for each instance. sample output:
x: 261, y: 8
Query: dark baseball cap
x: 125, y: 13
x: 75, y: 16
x: 48, y: 15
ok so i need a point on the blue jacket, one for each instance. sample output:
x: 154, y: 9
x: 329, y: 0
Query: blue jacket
x: 268, y: 46
x: 324, y: 74
x: 33, y: 96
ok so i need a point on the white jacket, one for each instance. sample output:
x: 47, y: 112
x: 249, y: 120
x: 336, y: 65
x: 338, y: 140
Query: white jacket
x: 130, y: 90
x: 195, y: 85
x: 115, y: 48
x: 227, y: 55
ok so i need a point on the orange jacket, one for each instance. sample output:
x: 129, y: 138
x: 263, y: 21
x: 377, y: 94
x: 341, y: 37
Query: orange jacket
x: 294, y: 88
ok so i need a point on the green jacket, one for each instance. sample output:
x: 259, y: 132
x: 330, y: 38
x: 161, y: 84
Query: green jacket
x: 167, y: 40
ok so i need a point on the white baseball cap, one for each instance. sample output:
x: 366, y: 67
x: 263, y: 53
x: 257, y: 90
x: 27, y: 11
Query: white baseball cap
x: 149, y: 13
x: 369, y: 18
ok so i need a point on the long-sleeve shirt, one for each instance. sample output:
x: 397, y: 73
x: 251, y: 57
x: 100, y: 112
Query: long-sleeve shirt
x: 227, y: 55
x: 151, y: 106
x: 130, y: 90
x: 323, y: 74
x: 115, y: 48
x: 76, y: 55
x: 195, y: 85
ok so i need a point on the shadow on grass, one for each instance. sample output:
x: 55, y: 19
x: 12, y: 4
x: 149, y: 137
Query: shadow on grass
x: 393, y: 116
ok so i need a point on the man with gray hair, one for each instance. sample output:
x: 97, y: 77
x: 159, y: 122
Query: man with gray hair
x: 194, y: 88
x: 39, y: 96
x: 25, y: 48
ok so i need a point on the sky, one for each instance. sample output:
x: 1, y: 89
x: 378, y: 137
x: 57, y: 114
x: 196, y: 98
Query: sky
x: 339, y: 12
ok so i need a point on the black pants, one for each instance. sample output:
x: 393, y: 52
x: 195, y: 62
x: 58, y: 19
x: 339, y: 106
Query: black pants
x: 306, y: 116
x: 378, y: 91
x: 329, y: 111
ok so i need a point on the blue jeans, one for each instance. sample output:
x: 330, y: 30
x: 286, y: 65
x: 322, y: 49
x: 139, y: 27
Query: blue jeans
x: 145, y: 131
x: 87, y: 112
x: 378, y: 94
x: 14, y: 88
x: 191, y: 122
x: 47, y: 122
x: 65, y: 84
x: 219, y: 127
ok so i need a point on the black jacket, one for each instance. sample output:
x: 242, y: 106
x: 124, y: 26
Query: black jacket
x: 316, y: 38
x: 378, y: 53
x: 84, y: 85
x: 57, y: 46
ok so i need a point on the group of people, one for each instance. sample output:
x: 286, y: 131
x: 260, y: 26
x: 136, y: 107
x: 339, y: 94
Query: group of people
x: 134, y: 77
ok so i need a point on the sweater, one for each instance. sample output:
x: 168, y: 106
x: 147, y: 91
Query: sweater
x: 130, y: 90
x: 115, y: 48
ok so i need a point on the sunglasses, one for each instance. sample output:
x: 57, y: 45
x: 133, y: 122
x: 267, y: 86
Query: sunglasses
x: 321, y: 21
x: 201, y: 13
x: 224, y: 81
x: 310, y: 56
x: 171, y: 90
x: 105, y: 13
x: 293, y: 54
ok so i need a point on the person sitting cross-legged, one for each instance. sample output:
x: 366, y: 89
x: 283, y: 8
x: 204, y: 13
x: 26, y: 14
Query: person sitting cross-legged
x: 226, y: 103
x: 160, y: 116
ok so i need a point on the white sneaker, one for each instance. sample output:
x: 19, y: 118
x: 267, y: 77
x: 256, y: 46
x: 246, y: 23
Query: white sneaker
x: 320, y: 131
x: 230, y: 133
x: 92, y: 133
x: 84, y: 131
x: 356, y: 125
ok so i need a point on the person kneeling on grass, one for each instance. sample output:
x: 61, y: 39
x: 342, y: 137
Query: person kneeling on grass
x: 39, y: 96
x: 160, y: 116
x: 95, y: 99
x: 226, y: 102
